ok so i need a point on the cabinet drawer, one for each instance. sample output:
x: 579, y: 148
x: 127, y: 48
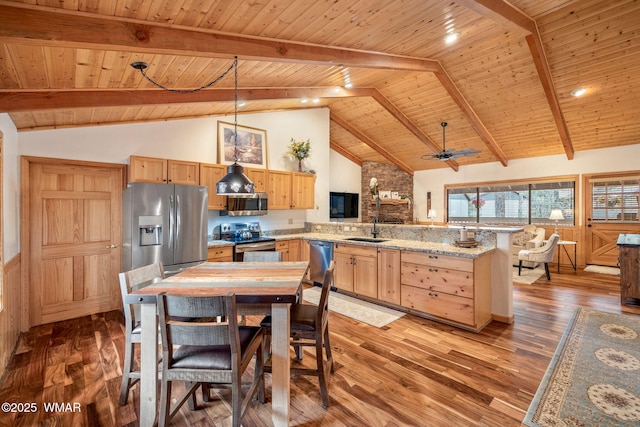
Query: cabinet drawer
x: 446, y: 306
x: 220, y: 254
x: 438, y: 279
x: 282, y: 245
x: 356, y: 250
x: 441, y: 261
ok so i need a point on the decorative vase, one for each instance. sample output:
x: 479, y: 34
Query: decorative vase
x: 299, y: 165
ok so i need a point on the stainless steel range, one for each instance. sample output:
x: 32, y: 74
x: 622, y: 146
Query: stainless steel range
x: 247, y: 237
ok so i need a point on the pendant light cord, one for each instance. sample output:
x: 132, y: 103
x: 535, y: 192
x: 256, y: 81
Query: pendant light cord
x: 235, y: 110
x: 142, y: 65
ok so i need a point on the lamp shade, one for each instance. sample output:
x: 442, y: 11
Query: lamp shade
x: 556, y: 214
x: 431, y: 213
x: 234, y: 183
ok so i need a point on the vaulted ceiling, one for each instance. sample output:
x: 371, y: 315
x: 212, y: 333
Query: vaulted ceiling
x: 504, y: 87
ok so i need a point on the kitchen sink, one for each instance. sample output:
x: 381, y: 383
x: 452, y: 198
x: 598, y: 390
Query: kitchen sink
x: 365, y: 239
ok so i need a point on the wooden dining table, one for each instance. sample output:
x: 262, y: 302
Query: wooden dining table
x: 259, y: 286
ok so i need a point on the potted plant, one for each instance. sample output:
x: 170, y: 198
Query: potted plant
x: 299, y: 150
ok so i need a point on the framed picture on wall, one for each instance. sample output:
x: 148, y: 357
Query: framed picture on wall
x: 385, y: 195
x: 249, y: 150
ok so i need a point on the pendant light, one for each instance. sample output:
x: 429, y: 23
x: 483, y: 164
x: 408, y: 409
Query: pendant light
x: 235, y: 182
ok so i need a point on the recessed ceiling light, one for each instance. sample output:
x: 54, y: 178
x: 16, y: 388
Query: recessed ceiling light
x: 348, y: 85
x: 316, y: 100
x: 304, y: 100
x: 450, y: 38
x: 579, y: 91
x: 242, y: 104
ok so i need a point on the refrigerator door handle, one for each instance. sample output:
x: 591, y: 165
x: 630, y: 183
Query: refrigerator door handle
x: 171, y: 221
x: 178, y: 220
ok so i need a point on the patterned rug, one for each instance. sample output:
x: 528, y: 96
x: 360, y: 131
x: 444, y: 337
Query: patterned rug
x: 592, y: 379
x: 372, y: 314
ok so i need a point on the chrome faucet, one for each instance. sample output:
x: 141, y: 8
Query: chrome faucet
x: 374, y: 230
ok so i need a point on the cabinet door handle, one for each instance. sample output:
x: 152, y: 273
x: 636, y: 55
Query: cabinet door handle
x: 432, y: 294
x: 433, y: 256
x: 433, y: 270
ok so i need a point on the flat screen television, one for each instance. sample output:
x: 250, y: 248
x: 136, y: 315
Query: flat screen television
x: 343, y: 205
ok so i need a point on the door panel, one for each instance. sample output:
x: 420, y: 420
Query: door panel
x: 611, y: 209
x: 74, y: 239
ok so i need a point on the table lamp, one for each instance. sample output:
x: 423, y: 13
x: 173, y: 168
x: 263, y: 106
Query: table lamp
x: 431, y: 215
x: 556, y: 214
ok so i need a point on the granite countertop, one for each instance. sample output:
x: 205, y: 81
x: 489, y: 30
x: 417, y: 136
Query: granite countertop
x: 430, y: 247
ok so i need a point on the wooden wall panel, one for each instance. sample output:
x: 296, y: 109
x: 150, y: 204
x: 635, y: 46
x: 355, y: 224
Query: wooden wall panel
x: 10, y: 315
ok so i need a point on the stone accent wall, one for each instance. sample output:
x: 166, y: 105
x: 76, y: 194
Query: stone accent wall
x: 390, y: 178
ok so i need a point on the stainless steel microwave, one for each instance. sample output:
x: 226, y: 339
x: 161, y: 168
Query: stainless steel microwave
x: 246, y: 205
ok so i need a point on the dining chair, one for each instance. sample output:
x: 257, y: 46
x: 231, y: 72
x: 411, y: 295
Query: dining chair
x: 309, y: 324
x: 213, y: 351
x: 130, y: 281
x: 543, y: 254
x: 262, y: 256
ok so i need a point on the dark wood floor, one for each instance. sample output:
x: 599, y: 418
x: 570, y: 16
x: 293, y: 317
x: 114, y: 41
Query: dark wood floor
x: 414, y: 372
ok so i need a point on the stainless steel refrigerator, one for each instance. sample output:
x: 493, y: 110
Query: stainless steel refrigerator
x: 164, y: 223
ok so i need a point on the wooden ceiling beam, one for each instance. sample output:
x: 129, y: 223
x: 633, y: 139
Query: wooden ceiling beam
x: 370, y: 142
x: 544, y: 72
x: 338, y: 149
x: 512, y: 18
x: 407, y: 123
x: 471, y: 115
x: 15, y: 101
x: 59, y: 28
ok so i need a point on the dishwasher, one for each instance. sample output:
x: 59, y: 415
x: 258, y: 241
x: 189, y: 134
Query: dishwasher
x: 321, y: 255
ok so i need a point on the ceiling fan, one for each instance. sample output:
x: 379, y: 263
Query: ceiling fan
x: 451, y: 153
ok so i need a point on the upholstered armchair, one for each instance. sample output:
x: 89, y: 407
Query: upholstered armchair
x: 530, y: 238
x: 543, y: 254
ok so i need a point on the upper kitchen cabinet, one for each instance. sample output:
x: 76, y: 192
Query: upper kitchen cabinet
x: 210, y: 174
x: 279, y: 189
x: 291, y: 190
x: 259, y: 179
x: 158, y: 171
x: 303, y: 190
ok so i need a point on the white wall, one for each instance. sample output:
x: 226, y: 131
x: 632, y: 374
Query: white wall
x: 196, y: 139
x: 10, y: 188
x: 584, y: 162
x: 345, y: 176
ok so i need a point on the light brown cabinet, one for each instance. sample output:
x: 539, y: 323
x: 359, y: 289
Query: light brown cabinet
x: 291, y: 190
x: 210, y: 174
x: 294, y: 250
x: 450, y: 288
x: 389, y: 275
x: 305, y: 255
x: 223, y: 254
x: 258, y: 177
x: 159, y: 171
x: 303, y: 190
x: 356, y: 269
x: 282, y: 246
x: 279, y: 189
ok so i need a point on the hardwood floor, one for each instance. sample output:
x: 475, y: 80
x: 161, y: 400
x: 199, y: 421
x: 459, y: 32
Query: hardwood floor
x: 414, y: 372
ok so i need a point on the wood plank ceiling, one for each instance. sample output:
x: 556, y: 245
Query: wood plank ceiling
x: 504, y: 86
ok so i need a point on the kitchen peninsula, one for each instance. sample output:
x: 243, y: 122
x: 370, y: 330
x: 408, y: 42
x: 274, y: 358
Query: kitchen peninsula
x: 424, y: 272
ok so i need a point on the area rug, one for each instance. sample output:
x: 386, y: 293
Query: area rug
x: 615, y: 271
x: 363, y: 311
x: 528, y: 275
x: 592, y: 379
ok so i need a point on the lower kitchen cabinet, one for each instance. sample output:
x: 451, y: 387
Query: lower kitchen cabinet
x: 282, y: 246
x: 389, y: 275
x: 356, y: 269
x: 222, y: 254
x: 305, y: 255
x: 449, y: 288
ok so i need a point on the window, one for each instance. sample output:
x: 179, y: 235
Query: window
x: 512, y: 203
x: 616, y: 200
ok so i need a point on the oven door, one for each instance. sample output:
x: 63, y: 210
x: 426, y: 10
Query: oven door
x: 241, y: 248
